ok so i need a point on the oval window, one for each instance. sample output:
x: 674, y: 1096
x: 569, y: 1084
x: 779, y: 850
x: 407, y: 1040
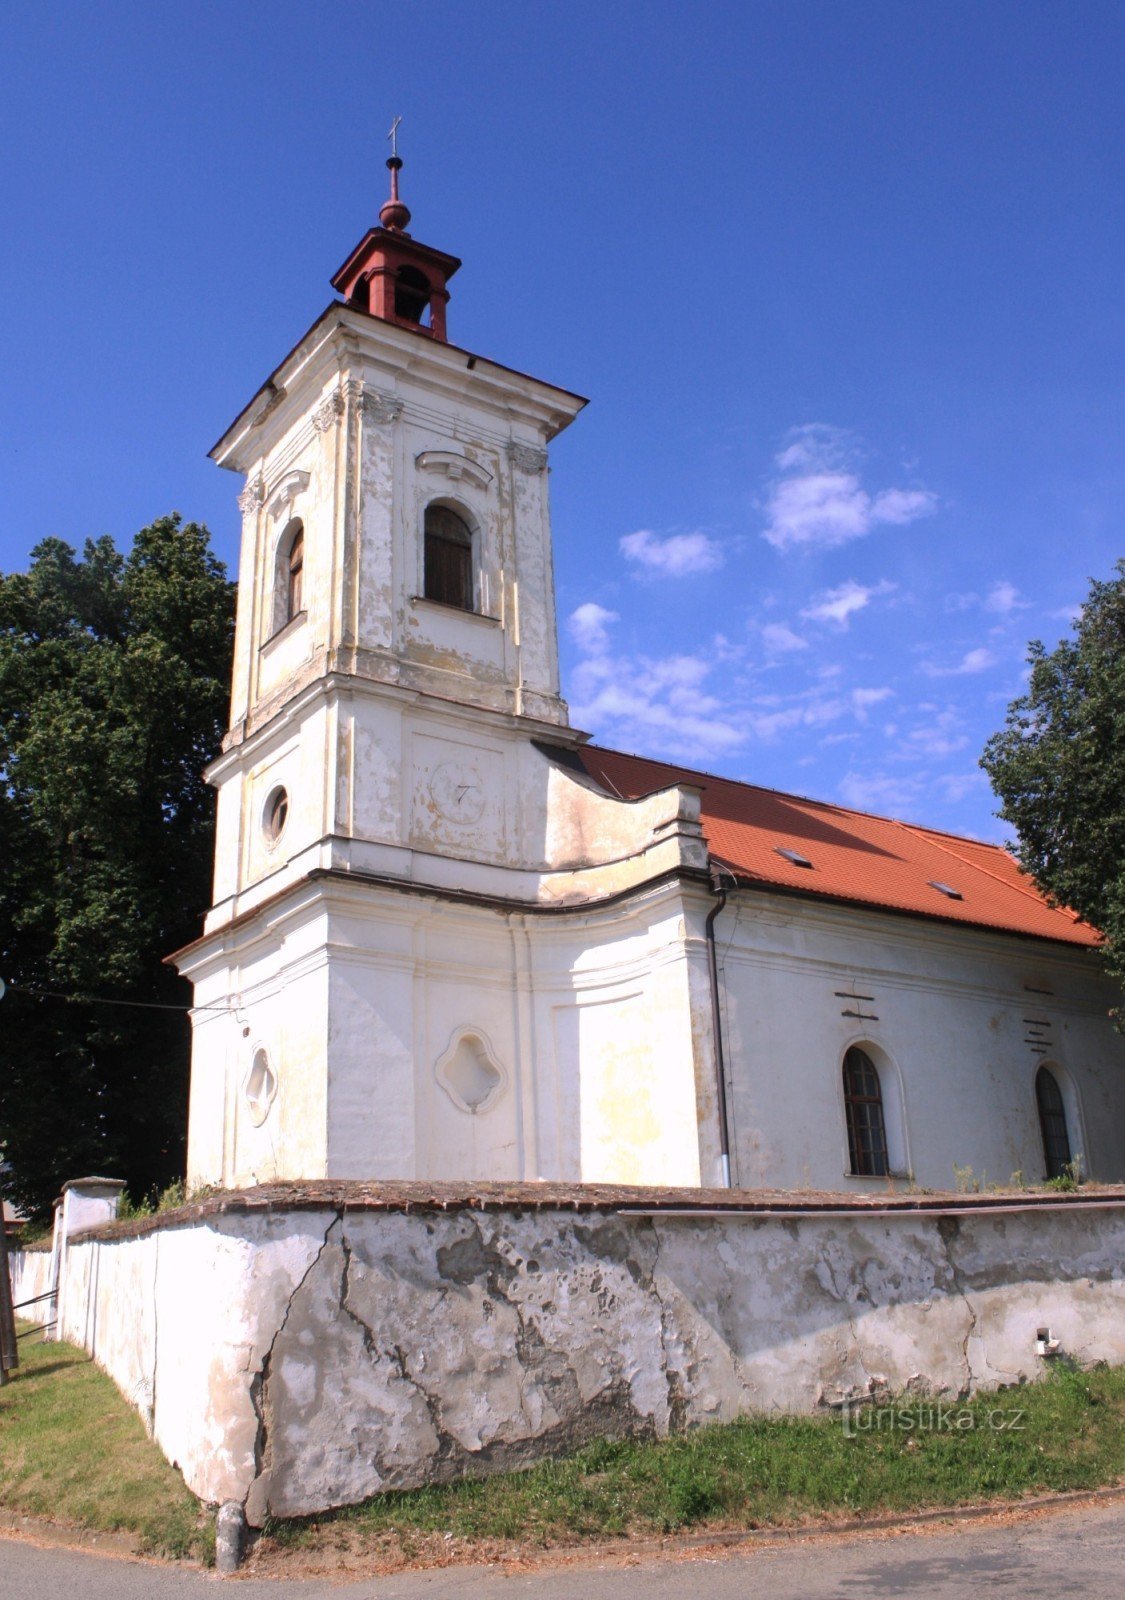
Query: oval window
x: 275, y: 815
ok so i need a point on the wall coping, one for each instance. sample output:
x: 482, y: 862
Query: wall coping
x: 405, y: 1195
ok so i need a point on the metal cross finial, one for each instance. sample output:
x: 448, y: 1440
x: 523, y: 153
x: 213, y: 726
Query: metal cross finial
x: 393, y: 136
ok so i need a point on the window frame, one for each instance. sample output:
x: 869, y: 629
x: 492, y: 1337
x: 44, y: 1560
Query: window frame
x: 471, y: 557
x: 295, y: 576
x: 864, y: 1162
x: 278, y: 614
x: 1055, y: 1168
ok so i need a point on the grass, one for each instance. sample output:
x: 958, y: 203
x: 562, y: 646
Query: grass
x: 74, y: 1451
x: 764, y: 1472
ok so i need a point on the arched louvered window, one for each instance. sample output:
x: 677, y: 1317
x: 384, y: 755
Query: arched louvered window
x: 448, y: 558
x: 1052, y: 1121
x: 295, y: 594
x: 863, y: 1107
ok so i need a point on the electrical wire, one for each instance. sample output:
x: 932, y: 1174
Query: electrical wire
x: 101, y: 1000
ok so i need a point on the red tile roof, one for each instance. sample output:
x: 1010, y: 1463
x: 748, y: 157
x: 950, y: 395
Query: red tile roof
x: 854, y: 856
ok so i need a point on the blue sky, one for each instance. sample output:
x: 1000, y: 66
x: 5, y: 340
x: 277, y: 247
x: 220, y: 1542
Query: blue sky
x: 841, y: 280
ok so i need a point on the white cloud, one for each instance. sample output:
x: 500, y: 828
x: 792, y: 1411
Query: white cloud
x: 708, y: 704
x: 1004, y: 598
x: 779, y: 639
x: 654, y: 705
x: 820, y: 501
x: 726, y: 650
x: 814, y: 445
x: 819, y: 508
x: 875, y: 791
x: 955, y: 786
x: 1000, y: 600
x: 934, y: 740
x: 864, y: 699
x: 673, y: 556
x: 691, y: 707
x: 589, y: 626
x: 899, y: 794
x: 978, y: 660
x: 837, y: 605
x: 901, y: 506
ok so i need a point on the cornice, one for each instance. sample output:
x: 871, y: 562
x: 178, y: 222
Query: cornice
x: 880, y: 925
x: 309, y: 893
x: 330, y: 680
x: 351, y: 336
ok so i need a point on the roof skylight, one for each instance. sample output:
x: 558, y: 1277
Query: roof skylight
x: 794, y: 856
x: 946, y: 889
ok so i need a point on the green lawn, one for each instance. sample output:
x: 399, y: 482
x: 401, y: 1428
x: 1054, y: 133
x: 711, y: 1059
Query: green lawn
x: 773, y: 1472
x: 73, y: 1450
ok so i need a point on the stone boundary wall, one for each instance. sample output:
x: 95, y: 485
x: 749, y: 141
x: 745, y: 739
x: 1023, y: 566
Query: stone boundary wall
x: 31, y: 1277
x: 304, y: 1346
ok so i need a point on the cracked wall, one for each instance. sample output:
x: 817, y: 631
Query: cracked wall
x: 298, y: 1360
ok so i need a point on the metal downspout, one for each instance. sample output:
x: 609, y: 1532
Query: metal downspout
x: 717, y: 1035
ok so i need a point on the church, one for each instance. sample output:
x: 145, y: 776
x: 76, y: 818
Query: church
x: 453, y: 939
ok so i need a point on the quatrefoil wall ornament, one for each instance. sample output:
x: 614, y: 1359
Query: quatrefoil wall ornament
x: 470, y: 1073
x: 260, y: 1088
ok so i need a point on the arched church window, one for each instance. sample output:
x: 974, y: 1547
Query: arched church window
x: 295, y: 595
x: 448, y: 558
x: 412, y: 294
x: 1052, y: 1121
x: 863, y: 1107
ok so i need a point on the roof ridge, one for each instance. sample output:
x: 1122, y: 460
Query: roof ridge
x: 974, y: 866
x: 806, y: 799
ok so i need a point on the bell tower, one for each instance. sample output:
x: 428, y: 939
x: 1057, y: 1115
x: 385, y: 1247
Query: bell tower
x: 386, y: 985
x: 395, y: 656
x: 395, y: 575
x: 392, y: 276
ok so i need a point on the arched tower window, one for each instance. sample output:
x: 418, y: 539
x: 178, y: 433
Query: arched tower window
x: 448, y: 558
x: 1052, y: 1121
x: 412, y: 294
x: 295, y: 567
x: 863, y: 1107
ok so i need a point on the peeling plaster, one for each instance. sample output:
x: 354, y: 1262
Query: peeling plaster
x: 312, y: 1360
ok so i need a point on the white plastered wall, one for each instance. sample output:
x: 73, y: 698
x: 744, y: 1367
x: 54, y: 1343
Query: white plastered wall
x: 585, y: 1058
x: 954, y: 1021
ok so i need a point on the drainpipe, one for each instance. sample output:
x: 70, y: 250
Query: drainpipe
x: 717, y: 1033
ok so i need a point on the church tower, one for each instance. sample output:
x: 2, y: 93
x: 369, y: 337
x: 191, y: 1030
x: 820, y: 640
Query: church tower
x: 394, y: 789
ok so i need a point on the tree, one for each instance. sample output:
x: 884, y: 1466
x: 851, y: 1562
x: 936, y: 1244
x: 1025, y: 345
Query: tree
x: 1058, y: 766
x: 114, y: 675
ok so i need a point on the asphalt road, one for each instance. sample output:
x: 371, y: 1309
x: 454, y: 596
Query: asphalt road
x: 1078, y: 1552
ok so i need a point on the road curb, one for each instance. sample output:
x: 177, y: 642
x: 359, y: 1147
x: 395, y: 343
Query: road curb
x: 115, y: 1546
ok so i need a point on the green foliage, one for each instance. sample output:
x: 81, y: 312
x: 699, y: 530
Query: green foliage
x: 1069, y: 1179
x: 114, y: 676
x: 1058, y: 766
x: 159, y: 1201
